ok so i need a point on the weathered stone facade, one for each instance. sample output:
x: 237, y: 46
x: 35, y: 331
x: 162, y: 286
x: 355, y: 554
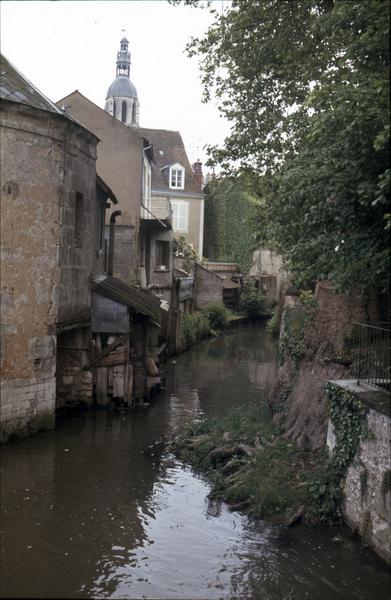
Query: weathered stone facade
x: 367, y: 490
x: 51, y: 242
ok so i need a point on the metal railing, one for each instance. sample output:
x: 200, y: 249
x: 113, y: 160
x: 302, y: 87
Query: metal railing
x: 371, y: 354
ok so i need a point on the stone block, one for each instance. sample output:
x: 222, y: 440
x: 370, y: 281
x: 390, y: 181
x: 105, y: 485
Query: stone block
x: 41, y: 347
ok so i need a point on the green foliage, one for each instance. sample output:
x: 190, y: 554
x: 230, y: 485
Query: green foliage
x: 183, y: 249
x: 294, y: 323
x: 348, y: 415
x: 217, y: 315
x: 230, y: 221
x: 292, y: 336
x: 305, y: 88
x: 273, y: 324
x: 199, y: 324
x: 195, y: 327
x: 252, y: 301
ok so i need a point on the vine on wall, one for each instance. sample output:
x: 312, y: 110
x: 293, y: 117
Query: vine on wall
x: 349, y: 418
x: 230, y: 226
x: 292, y: 330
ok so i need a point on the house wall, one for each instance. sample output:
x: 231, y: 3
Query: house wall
x: 44, y: 159
x: 119, y: 163
x: 196, y: 215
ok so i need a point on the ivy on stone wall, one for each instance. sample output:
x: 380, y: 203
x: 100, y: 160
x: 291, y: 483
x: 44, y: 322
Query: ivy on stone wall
x: 293, y: 329
x: 349, y: 418
x: 230, y: 227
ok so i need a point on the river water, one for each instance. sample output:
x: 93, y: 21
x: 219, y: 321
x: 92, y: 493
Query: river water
x: 99, y: 508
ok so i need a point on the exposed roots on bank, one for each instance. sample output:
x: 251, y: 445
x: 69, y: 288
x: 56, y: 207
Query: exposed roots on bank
x: 251, y: 467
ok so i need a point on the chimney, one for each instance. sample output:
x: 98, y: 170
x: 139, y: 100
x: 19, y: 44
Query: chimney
x: 197, y: 168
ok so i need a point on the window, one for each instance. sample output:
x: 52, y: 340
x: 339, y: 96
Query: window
x: 124, y: 110
x: 134, y: 120
x: 180, y: 215
x: 162, y: 255
x: 79, y: 218
x: 177, y: 177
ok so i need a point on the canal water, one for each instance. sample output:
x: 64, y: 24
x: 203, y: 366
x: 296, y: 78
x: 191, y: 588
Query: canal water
x: 99, y: 508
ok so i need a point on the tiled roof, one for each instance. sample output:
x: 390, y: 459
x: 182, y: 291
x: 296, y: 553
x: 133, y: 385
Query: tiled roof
x: 138, y: 300
x: 16, y: 88
x: 169, y: 149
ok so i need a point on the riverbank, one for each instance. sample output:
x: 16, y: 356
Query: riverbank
x: 252, y: 468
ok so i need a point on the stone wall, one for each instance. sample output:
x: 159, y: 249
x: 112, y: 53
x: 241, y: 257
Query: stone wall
x: 27, y: 405
x: 367, y: 491
x: 74, y: 385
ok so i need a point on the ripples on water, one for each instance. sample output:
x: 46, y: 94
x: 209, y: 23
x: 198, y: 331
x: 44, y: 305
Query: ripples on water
x: 100, y: 509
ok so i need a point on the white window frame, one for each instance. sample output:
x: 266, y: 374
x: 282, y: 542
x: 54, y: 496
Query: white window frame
x: 174, y: 172
x: 180, y: 222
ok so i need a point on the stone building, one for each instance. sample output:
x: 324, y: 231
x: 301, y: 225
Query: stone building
x: 52, y: 241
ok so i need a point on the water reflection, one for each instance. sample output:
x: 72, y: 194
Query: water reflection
x: 100, y: 509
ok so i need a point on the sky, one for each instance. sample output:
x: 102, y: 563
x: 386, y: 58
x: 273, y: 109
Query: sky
x: 67, y: 45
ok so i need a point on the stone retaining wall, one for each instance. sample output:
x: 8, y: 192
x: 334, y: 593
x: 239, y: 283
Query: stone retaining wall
x: 367, y: 487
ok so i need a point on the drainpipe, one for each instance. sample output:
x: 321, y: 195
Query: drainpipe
x: 110, y: 265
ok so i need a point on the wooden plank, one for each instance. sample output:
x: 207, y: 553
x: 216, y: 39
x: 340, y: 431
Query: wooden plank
x: 101, y: 386
x: 117, y: 358
x: 129, y: 385
x: 118, y: 381
x: 121, y: 340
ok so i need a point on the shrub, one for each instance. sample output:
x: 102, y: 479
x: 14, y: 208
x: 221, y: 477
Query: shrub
x: 185, y: 250
x: 217, y: 315
x: 252, y: 301
x: 195, y: 327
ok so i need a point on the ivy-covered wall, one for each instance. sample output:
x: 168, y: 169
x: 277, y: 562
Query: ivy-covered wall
x: 359, y: 439
x: 230, y: 227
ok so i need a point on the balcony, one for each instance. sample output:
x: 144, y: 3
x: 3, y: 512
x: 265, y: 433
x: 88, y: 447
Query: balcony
x: 159, y: 209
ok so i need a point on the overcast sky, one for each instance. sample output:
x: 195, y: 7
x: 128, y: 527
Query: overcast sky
x: 69, y: 45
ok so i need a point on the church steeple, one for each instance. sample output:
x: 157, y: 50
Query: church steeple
x: 123, y: 59
x: 121, y: 99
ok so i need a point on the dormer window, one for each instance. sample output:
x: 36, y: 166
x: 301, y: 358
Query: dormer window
x: 177, y: 177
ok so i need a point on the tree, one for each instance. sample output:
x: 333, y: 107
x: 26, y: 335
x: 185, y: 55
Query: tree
x: 305, y: 86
